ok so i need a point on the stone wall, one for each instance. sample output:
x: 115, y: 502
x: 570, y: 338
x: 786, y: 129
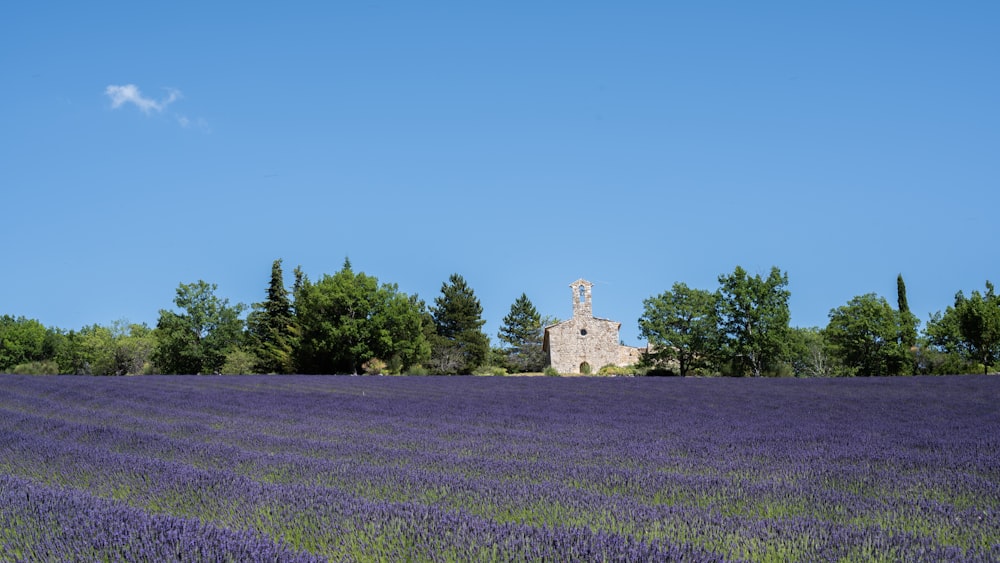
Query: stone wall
x: 629, y: 355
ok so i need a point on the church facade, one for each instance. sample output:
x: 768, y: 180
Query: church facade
x: 585, y: 343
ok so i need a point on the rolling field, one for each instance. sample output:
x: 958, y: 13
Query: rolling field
x: 314, y: 468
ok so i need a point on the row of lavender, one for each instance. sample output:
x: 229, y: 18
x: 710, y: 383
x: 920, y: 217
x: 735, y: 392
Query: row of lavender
x: 340, y: 468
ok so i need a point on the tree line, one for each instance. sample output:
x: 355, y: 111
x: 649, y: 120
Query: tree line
x: 349, y: 322
x: 742, y: 328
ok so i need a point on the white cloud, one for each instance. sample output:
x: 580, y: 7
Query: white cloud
x: 130, y: 94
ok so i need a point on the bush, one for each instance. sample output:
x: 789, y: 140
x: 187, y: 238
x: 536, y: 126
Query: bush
x: 374, y: 366
x: 489, y: 370
x: 44, y: 367
x: 239, y: 362
x: 781, y: 370
x: 613, y: 370
x: 550, y: 371
x: 418, y: 370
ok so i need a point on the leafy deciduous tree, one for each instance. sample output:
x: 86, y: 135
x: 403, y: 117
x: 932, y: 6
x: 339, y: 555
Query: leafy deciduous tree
x: 21, y: 341
x: 979, y: 324
x: 754, y: 316
x: 119, y: 349
x: 134, y: 345
x: 970, y: 328
x: 865, y: 333
x: 239, y: 361
x: 197, y: 339
x: 809, y: 355
x: 681, y: 326
x: 406, y: 324
x: 347, y: 319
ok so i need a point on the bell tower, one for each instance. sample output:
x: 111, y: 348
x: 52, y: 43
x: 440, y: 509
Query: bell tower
x: 582, y: 308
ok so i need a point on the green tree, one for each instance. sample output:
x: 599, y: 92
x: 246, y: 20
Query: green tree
x: 347, y: 319
x: 681, y: 326
x: 902, y: 305
x: 239, y: 361
x: 753, y: 317
x: 948, y: 353
x: 55, y: 341
x: 931, y: 358
x: 21, y: 341
x: 971, y: 328
x: 865, y: 333
x: 809, y: 354
x: 407, y: 325
x: 521, y: 331
x: 979, y: 324
x: 907, y: 321
x: 460, y: 345
x: 271, y: 328
x: 94, y: 350
x: 197, y: 339
x: 133, y: 348
x: 122, y: 348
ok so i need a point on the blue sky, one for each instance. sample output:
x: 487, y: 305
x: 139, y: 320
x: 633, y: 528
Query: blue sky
x: 520, y: 144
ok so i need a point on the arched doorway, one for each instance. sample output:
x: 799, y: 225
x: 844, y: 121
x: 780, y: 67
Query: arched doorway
x: 585, y: 368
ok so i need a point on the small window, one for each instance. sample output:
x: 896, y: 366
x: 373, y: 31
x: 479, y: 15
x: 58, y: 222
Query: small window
x: 583, y: 332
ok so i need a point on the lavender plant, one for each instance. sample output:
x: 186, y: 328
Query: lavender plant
x: 304, y: 468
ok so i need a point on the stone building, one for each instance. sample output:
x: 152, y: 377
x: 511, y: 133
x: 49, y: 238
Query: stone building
x: 585, y: 343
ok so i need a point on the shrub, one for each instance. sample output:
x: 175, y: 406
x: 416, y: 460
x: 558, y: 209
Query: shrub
x: 418, y: 370
x: 489, y: 370
x: 781, y: 370
x: 374, y: 366
x: 239, y: 362
x: 612, y: 369
x: 44, y: 367
x: 550, y: 371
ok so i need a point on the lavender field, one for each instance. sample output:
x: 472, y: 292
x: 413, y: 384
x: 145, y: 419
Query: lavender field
x: 297, y: 468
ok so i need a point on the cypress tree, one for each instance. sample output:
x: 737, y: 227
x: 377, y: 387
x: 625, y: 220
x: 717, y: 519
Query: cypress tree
x: 907, y: 321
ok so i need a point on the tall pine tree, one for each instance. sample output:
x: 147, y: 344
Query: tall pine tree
x: 522, y: 333
x: 271, y: 327
x: 460, y: 345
